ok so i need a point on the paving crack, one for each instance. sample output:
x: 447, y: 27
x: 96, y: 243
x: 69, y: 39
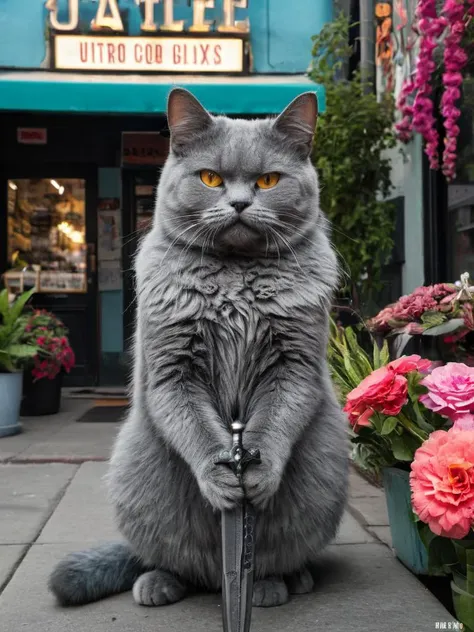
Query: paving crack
x: 52, y: 508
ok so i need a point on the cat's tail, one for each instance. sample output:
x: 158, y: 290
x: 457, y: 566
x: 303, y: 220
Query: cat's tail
x: 94, y: 574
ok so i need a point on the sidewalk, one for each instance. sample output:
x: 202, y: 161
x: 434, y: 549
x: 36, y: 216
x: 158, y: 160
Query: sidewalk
x: 50, y: 509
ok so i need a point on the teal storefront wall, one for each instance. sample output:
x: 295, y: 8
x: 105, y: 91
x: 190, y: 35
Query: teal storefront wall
x: 280, y: 30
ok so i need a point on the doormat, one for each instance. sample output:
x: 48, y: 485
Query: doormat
x: 103, y: 414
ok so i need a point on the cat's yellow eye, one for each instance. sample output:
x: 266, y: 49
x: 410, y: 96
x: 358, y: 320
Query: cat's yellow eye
x: 268, y: 180
x: 211, y: 178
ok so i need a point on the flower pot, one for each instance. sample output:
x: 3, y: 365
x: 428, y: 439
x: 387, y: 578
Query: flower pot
x: 41, y: 397
x: 10, y: 397
x: 405, y: 538
x: 463, y: 607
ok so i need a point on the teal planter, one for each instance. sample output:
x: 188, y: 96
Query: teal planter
x: 405, y: 539
x: 11, y: 386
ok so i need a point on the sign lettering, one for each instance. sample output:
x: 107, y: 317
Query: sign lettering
x: 52, y: 6
x: 113, y: 21
x: 150, y: 54
x: 108, y: 16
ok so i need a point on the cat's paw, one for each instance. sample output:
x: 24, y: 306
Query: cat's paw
x: 158, y: 588
x: 300, y: 582
x: 269, y: 592
x: 261, y: 483
x: 220, y: 487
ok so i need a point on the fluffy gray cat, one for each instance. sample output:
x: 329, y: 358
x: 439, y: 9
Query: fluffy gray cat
x: 234, y: 282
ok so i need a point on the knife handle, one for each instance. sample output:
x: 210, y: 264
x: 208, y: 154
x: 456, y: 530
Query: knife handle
x: 238, y: 458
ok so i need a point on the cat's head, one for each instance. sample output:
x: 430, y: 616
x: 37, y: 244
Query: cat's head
x: 235, y: 184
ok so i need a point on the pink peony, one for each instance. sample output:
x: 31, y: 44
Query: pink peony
x: 442, y: 482
x: 383, y: 391
x: 450, y: 390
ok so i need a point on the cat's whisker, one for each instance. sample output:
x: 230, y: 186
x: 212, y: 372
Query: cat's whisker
x: 176, y: 239
x: 288, y: 245
x: 345, y: 271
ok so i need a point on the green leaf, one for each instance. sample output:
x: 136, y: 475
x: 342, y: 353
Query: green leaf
x: 16, y: 309
x: 6, y: 361
x: 448, y: 327
x: 432, y: 319
x: 4, y: 303
x: 389, y: 425
x: 22, y: 351
x: 400, y: 449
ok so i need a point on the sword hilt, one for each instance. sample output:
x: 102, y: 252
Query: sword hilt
x: 238, y: 458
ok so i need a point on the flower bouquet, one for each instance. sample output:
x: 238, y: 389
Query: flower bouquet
x: 443, y: 310
x: 442, y: 483
x: 420, y: 419
x: 54, y: 356
x: 386, y: 414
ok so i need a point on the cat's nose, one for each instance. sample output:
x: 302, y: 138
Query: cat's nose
x: 240, y: 206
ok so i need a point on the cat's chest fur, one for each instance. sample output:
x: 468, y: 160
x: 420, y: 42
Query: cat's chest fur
x: 236, y: 315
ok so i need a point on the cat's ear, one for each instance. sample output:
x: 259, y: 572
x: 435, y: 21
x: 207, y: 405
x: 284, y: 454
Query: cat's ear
x: 298, y: 121
x: 186, y: 118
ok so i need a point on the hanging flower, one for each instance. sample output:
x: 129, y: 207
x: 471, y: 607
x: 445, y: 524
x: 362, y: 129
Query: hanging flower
x: 419, y: 116
x: 454, y: 61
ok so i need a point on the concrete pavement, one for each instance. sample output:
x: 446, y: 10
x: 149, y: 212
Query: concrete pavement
x: 48, y: 510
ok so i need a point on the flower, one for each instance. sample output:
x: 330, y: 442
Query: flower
x: 442, y: 482
x: 407, y: 364
x: 464, y: 422
x: 384, y: 390
x: 49, y: 334
x: 450, y: 390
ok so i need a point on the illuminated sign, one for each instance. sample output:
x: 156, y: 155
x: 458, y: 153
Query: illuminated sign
x: 218, y: 46
x: 149, y: 54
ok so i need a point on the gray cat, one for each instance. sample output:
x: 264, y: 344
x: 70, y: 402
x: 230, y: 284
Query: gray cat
x: 233, y: 283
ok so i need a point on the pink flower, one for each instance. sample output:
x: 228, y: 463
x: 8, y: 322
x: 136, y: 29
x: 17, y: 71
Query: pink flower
x: 407, y: 364
x: 464, y: 422
x: 442, y: 482
x: 383, y: 391
x: 450, y: 390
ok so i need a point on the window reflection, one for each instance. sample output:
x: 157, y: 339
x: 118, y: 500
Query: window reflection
x: 46, y: 233
x: 461, y: 192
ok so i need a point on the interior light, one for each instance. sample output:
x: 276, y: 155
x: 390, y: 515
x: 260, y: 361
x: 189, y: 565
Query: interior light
x: 61, y: 190
x: 55, y: 184
x: 12, y: 186
x: 77, y: 237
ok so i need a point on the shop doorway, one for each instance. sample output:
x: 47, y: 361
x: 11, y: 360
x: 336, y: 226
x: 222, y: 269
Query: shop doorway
x: 49, y: 238
x: 139, y: 187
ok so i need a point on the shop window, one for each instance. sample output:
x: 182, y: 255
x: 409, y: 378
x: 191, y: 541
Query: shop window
x: 47, y: 235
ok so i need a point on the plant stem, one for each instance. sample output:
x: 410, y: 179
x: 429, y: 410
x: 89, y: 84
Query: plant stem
x: 412, y: 428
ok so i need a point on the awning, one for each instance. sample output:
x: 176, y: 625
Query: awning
x: 44, y: 91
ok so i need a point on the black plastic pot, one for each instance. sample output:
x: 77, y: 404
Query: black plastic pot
x: 42, y: 397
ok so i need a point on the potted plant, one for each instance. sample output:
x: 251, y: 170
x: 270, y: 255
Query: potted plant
x: 13, y: 352
x: 42, y: 378
x: 388, y: 423
x: 360, y: 180
x: 437, y: 321
x: 442, y: 484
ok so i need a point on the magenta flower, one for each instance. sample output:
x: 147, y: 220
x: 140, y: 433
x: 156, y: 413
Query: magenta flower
x: 415, y: 101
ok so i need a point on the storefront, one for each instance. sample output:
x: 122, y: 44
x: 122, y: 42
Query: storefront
x: 438, y: 237
x: 83, y: 91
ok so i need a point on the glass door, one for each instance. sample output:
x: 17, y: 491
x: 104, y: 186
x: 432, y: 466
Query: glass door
x: 50, y: 246
x: 139, y: 188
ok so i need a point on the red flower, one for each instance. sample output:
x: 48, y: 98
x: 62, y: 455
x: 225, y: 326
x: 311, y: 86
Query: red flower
x: 383, y: 391
x: 407, y: 364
